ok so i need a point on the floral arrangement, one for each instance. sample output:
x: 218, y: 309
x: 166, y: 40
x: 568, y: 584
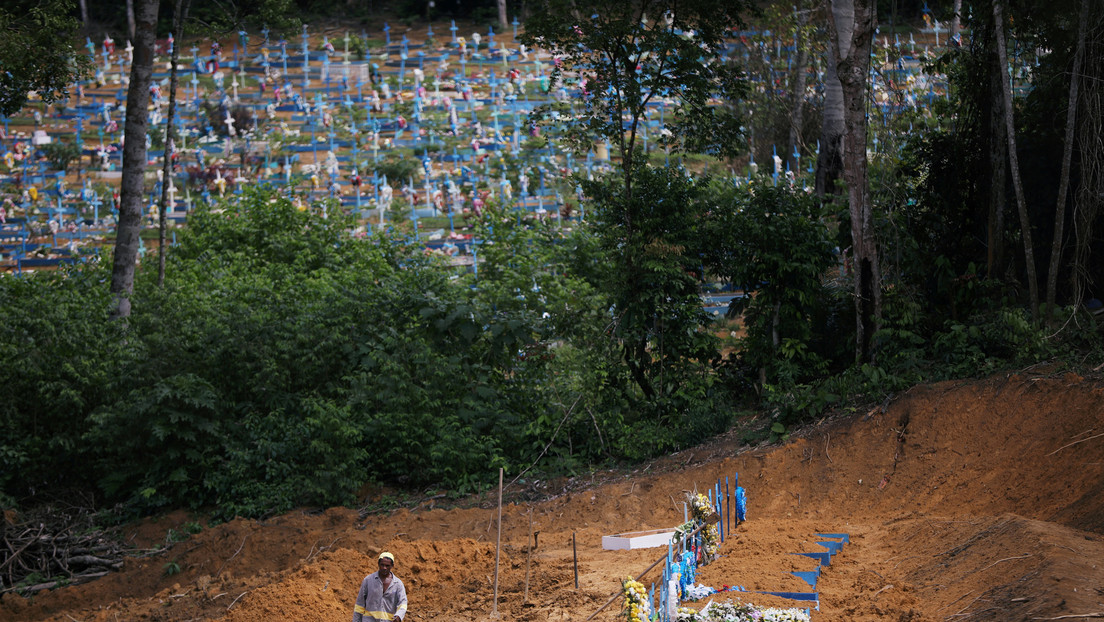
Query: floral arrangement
x: 636, y: 607
x: 703, y: 512
x: 736, y: 611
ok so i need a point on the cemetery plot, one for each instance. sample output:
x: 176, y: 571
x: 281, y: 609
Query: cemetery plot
x: 413, y: 132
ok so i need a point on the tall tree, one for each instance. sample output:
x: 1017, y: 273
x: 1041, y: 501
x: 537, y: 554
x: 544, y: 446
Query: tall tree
x: 627, y: 55
x: 830, y: 158
x: 852, y: 59
x: 180, y: 15
x: 134, y: 158
x: 1067, y: 156
x: 1014, y: 160
x: 1090, y: 193
x: 998, y: 163
x: 798, y: 81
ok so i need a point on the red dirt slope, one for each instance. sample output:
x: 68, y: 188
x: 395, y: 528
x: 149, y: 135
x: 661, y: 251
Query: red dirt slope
x: 965, y: 501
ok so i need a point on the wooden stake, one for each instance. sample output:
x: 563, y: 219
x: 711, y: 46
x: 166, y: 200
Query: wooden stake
x: 528, y: 556
x: 575, y: 559
x: 498, y: 545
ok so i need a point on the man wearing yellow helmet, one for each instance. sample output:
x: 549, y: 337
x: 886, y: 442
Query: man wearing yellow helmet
x: 382, y: 595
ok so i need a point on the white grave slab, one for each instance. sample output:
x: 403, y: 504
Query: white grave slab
x: 638, y: 539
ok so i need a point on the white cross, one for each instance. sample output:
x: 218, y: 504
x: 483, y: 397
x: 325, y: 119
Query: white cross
x: 230, y: 124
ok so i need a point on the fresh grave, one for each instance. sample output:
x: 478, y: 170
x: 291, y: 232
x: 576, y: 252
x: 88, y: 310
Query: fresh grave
x: 696, y: 543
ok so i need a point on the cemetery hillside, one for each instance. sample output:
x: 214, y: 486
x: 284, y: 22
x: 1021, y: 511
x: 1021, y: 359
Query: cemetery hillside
x: 643, y: 310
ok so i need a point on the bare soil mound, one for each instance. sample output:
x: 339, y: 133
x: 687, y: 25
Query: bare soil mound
x: 964, y: 501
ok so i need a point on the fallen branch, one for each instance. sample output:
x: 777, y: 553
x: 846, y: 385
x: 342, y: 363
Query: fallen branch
x: 236, y: 599
x: 231, y: 558
x: 1098, y: 614
x: 92, y: 560
x: 1071, y: 445
x: 959, y: 612
x: 49, y: 585
x: 955, y: 600
x: 1004, y: 560
x: 56, y: 543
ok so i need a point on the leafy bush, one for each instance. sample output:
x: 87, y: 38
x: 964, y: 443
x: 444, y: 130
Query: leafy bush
x: 397, y: 168
x: 60, y: 154
x: 62, y: 360
x: 775, y: 245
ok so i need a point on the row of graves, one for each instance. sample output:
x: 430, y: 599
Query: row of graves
x: 711, y: 518
x: 413, y: 138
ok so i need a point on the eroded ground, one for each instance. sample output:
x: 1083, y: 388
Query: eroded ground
x: 964, y: 501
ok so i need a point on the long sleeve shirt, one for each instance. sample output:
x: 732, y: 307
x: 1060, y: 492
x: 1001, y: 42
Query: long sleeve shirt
x: 373, y: 603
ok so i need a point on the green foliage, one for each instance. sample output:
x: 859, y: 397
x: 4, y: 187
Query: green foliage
x: 281, y: 16
x: 286, y: 362
x: 313, y: 454
x: 60, y: 154
x: 171, y: 568
x: 62, y: 358
x: 396, y: 168
x: 793, y: 402
x: 654, y: 240
x: 778, y: 432
x: 37, y: 52
x: 774, y: 243
x: 160, y: 440
x: 767, y: 112
x: 630, y: 54
x: 1006, y: 336
x: 358, y: 48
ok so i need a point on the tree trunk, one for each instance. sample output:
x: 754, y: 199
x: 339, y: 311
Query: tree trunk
x: 180, y: 13
x: 1014, y: 162
x: 84, y: 16
x: 134, y: 159
x: 797, y: 92
x: 956, y: 19
x: 130, y: 19
x: 830, y: 157
x: 1067, y: 155
x: 998, y: 169
x: 502, y: 15
x: 1090, y: 193
x: 852, y: 58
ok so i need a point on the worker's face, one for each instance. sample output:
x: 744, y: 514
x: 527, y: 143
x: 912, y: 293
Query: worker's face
x: 385, y: 567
